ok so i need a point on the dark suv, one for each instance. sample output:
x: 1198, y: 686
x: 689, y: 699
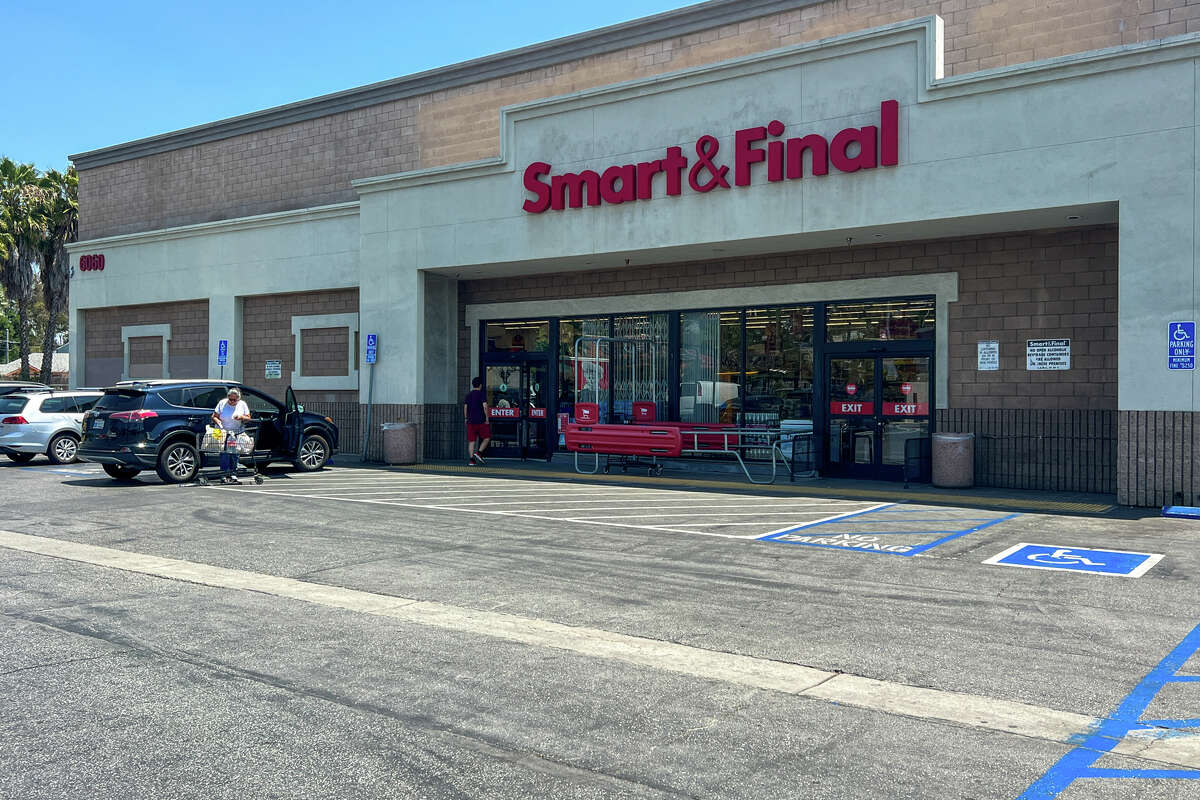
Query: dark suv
x: 158, y: 425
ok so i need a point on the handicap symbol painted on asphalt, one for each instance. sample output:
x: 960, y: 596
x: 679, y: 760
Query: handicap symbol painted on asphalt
x: 1076, y: 559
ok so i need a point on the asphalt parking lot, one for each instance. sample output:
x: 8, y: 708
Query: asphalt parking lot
x: 385, y: 633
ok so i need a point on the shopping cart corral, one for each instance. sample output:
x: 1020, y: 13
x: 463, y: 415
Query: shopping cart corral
x: 643, y: 446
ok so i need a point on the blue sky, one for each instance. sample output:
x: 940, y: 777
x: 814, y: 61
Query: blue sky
x: 127, y: 70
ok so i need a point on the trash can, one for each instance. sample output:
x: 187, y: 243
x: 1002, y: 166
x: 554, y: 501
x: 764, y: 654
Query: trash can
x: 954, y: 460
x: 399, y: 443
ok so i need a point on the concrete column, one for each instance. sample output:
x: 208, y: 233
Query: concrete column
x: 78, y: 360
x: 391, y: 304
x: 225, y: 322
x: 441, y: 339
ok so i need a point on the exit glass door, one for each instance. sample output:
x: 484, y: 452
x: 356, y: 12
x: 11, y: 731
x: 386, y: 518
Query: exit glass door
x: 879, y: 416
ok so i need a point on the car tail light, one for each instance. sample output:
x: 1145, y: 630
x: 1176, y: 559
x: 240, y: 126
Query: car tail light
x: 132, y: 416
x: 14, y: 421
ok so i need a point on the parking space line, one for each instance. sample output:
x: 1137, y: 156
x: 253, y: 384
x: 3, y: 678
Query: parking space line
x: 482, y: 511
x: 1110, y: 735
x: 659, y: 510
x: 691, y: 514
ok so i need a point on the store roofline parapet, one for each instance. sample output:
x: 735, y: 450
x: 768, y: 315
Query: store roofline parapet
x: 669, y: 24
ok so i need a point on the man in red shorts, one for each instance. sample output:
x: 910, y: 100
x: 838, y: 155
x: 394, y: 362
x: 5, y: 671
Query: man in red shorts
x: 475, y: 411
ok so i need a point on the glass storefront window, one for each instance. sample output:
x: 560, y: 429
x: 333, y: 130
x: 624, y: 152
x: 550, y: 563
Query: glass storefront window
x: 882, y: 320
x: 710, y: 366
x: 590, y: 374
x: 640, y: 366
x: 532, y: 336
x: 779, y: 367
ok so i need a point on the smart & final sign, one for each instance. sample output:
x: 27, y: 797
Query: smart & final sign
x: 872, y: 146
x: 1047, y: 354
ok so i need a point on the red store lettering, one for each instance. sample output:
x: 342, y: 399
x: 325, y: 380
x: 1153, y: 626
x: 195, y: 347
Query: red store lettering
x: 872, y: 146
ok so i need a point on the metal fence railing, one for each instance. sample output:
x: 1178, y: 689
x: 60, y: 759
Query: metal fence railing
x: 1073, y: 450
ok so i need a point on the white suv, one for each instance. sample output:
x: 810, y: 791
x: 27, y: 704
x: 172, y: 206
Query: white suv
x: 43, y: 422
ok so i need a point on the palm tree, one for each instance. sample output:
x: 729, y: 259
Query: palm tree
x: 60, y: 217
x: 21, y: 220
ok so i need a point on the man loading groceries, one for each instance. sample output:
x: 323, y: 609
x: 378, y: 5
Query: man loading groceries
x: 229, y: 415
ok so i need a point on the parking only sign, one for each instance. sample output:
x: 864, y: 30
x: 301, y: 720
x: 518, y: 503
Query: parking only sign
x: 1181, y: 345
x: 1076, y: 559
x: 372, y: 353
x: 222, y: 352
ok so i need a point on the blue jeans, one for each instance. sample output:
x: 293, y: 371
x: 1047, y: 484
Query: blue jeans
x: 229, y: 462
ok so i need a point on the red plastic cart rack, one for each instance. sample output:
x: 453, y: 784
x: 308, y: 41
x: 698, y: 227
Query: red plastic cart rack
x: 671, y: 441
x: 625, y: 441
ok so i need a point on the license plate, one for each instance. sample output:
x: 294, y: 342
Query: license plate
x: 97, y: 424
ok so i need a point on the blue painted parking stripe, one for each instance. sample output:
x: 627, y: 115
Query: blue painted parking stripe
x: 1079, y: 763
x: 1183, y: 679
x: 957, y: 534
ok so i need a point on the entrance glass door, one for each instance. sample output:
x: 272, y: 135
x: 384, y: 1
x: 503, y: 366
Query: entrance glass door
x: 879, y: 416
x: 517, y: 393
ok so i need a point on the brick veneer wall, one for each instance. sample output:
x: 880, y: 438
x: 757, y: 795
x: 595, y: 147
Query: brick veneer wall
x: 323, y: 351
x: 301, y: 165
x: 267, y: 336
x: 102, y: 346
x: 1157, y: 458
x: 145, y: 356
x: 1012, y: 287
x: 312, y: 163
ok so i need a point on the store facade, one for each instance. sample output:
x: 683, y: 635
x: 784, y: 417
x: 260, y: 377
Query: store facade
x: 829, y: 236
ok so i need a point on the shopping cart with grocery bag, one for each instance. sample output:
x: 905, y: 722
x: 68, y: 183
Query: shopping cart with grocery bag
x: 218, y: 440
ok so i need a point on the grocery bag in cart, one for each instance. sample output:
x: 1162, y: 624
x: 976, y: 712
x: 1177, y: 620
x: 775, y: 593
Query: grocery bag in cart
x: 213, y: 441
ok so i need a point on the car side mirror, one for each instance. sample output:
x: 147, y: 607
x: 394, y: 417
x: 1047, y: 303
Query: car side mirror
x: 300, y: 408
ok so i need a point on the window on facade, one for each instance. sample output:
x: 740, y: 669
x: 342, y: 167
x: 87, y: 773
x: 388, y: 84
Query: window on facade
x: 587, y: 373
x: 515, y: 337
x: 639, y: 365
x: 882, y: 320
x: 710, y: 366
x: 779, y: 366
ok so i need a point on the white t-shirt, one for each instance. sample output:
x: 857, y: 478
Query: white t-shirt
x: 226, y: 412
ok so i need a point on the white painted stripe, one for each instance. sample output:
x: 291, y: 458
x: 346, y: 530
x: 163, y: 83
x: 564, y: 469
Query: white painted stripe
x: 972, y: 711
x: 512, y: 514
x: 692, y: 514
x: 686, y: 503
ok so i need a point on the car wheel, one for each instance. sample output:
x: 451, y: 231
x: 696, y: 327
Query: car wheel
x: 117, y: 472
x: 314, y: 452
x: 63, y: 449
x: 21, y: 458
x: 178, y: 462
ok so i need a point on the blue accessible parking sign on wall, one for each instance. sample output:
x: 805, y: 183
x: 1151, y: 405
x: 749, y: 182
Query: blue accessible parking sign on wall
x: 1181, y: 345
x: 1076, y: 559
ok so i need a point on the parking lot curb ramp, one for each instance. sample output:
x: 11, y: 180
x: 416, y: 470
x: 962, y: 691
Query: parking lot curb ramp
x: 1181, y: 512
x: 1014, y: 502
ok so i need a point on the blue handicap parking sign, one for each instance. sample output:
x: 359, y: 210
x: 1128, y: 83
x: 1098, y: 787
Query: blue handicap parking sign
x: 1076, y: 559
x: 1181, y: 345
x: 222, y: 352
x: 372, y: 340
